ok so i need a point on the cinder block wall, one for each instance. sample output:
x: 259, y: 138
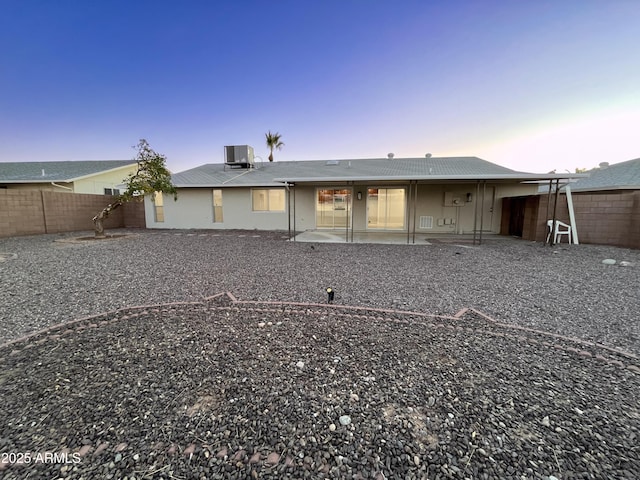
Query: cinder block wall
x: 21, y: 212
x: 606, y: 218
x: 133, y: 214
x: 32, y: 212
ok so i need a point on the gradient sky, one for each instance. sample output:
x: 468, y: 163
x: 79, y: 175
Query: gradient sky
x: 531, y: 85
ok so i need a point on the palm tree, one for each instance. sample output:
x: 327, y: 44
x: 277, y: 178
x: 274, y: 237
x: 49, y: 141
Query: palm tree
x: 273, y: 141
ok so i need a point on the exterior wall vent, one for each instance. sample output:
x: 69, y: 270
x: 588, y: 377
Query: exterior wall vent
x: 426, y: 222
x: 241, y: 155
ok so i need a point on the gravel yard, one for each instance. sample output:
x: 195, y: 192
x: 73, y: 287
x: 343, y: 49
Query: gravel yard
x: 216, y: 388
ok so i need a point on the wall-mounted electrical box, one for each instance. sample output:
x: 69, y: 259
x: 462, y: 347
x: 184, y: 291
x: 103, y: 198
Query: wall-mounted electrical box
x: 452, y: 199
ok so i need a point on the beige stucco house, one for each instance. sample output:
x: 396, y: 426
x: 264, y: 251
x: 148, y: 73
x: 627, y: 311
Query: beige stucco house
x: 456, y: 195
x: 98, y: 177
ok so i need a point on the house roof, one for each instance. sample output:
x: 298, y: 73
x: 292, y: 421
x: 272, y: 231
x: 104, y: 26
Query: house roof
x: 45, y: 172
x: 618, y: 176
x: 373, y: 169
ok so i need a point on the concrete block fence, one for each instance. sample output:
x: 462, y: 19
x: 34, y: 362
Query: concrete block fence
x: 33, y: 212
x: 606, y: 218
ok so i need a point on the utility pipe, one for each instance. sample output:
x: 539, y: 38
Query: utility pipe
x: 61, y: 186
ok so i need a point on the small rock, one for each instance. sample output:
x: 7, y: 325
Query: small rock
x: 332, y: 427
x: 609, y: 261
x: 354, y: 397
x: 431, y: 401
x: 273, y: 458
x: 345, y: 420
x: 625, y: 264
x: 546, y: 422
x: 261, y: 324
x: 118, y: 457
x: 300, y: 364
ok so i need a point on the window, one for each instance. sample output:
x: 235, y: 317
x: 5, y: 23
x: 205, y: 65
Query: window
x: 158, y: 206
x: 111, y: 191
x: 268, y: 200
x: 217, y: 206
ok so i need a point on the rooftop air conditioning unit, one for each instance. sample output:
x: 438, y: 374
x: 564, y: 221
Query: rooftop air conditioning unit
x: 238, y: 155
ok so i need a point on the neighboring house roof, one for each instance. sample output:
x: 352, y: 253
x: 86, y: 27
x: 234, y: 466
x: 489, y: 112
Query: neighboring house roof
x: 45, y: 172
x: 618, y: 176
x: 375, y: 169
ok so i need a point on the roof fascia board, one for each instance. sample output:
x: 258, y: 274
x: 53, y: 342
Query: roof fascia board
x: 512, y: 177
x: 18, y: 182
x: 604, y: 189
x: 228, y: 185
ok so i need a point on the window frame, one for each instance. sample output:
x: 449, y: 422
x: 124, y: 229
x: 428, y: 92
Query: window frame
x: 268, y: 199
x: 215, y: 207
x: 158, y: 207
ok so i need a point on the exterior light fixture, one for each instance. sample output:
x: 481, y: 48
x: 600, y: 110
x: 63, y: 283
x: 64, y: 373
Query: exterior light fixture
x: 359, y: 195
x: 330, y: 294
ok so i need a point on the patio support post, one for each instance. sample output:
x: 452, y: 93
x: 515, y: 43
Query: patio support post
x: 572, y: 216
x: 548, y: 207
x: 353, y: 189
x: 475, y: 212
x: 409, y: 212
x: 415, y: 208
x: 346, y: 221
x: 288, y: 208
x: 294, y: 213
x: 552, y: 239
x: 484, y: 190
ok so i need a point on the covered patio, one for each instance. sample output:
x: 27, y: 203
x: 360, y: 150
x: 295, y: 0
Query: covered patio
x: 395, y: 238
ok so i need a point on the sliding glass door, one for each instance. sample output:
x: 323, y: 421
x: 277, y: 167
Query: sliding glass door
x: 333, y: 208
x: 386, y: 208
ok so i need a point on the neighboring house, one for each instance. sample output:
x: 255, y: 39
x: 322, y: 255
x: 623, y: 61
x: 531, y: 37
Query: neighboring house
x: 429, y: 195
x: 623, y: 176
x: 100, y: 177
x: 606, y: 206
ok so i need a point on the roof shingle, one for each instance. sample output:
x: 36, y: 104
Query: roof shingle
x: 374, y: 169
x: 624, y: 175
x: 33, y: 172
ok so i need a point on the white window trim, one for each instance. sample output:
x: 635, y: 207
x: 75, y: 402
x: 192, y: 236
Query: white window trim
x: 284, y: 210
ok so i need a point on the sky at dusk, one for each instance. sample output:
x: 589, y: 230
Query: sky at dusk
x: 531, y: 85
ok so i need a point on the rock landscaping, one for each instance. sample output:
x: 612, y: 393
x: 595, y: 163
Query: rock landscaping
x: 501, y: 361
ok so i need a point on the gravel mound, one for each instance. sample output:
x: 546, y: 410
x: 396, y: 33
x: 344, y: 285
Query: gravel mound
x: 219, y: 390
x: 542, y: 383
